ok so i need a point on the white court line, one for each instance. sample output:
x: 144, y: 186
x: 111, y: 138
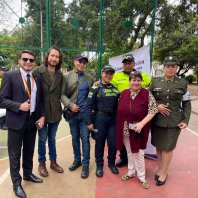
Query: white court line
x: 3, y: 147
x: 193, y: 132
x: 4, y: 176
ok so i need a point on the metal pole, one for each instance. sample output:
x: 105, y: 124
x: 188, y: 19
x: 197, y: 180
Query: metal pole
x: 48, y: 23
x: 100, y: 43
x: 41, y: 22
x: 153, y: 31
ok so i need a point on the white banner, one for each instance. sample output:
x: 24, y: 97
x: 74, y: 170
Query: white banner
x: 142, y: 60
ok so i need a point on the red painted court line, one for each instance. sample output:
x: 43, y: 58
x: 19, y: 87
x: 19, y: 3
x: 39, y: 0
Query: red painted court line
x: 181, y: 182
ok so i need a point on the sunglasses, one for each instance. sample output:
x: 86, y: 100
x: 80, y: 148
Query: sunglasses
x: 30, y: 59
x: 82, y: 62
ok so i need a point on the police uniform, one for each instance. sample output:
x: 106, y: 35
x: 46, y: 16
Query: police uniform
x: 121, y: 80
x: 174, y: 94
x: 103, y: 100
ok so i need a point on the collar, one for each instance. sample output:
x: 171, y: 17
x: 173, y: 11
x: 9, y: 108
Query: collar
x: 24, y: 73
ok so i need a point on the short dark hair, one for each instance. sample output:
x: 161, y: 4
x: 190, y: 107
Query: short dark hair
x: 58, y: 66
x: 28, y: 52
x: 135, y: 74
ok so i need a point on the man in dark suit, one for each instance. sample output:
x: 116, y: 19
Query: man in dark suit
x: 21, y: 96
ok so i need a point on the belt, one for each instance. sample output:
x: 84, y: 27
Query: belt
x: 103, y: 113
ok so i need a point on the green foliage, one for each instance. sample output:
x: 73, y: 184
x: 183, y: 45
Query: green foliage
x: 178, y: 34
x: 191, y: 78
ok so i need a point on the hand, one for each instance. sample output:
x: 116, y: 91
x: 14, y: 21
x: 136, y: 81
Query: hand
x: 90, y: 127
x: 164, y: 110
x: 138, y: 127
x: 25, y: 106
x: 75, y: 108
x: 96, y: 83
x: 182, y: 125
x: 41, y: 121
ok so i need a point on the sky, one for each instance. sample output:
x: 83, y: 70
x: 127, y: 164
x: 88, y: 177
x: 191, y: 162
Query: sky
x: 10, y: 17
x: 11, y: 10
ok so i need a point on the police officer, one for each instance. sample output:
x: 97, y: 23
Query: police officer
x: 103, y: 100
x: 121, y: 81
x: 174, y: 108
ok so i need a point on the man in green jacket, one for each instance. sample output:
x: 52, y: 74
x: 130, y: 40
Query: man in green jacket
x: 51, y: 83
x: 75, y: 90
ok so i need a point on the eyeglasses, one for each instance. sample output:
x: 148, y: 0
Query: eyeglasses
x: 82, y: 62
x: 30, y: 59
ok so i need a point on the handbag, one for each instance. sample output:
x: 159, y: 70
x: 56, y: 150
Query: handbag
x: 132, y: 130
x: 67, y: 114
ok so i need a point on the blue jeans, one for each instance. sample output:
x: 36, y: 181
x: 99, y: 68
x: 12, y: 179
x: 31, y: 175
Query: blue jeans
x: 106, y: 126
x: 47, y: 132
x: 79, y: 130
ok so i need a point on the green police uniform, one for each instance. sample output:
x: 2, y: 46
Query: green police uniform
x: 174, y: 94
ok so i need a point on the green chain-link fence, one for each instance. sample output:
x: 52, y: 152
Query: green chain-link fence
x: 97, y: 28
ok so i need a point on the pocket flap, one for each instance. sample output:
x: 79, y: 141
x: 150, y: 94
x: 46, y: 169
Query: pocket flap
x: 178, y: 91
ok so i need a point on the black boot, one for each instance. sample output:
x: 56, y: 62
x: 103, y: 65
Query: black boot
x: 85, y: 172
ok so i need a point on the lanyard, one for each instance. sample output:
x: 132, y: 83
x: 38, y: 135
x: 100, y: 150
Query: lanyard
x: 26, y: 85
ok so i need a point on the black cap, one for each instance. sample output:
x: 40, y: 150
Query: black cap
x: 2, y: 68
x: 171, y: 60
x: 80, y: 56
x: 127, y: 57
x: 108, y: 68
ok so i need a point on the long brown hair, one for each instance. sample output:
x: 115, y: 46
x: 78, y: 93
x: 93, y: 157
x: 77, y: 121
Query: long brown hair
x: 58, y: 66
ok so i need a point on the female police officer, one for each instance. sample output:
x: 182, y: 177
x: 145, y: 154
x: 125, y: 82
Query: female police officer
x: 174, y: 108
x: 103, y: 100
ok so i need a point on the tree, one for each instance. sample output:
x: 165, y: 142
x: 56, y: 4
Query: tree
x: 125, y: 22
x: 178, y: 34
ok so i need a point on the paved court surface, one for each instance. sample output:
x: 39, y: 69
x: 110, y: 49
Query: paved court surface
x: 181, y: 182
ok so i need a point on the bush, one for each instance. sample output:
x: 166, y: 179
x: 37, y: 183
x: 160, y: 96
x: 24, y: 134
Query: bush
x: 191, y: 78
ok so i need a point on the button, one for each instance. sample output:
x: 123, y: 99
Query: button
x: 167, y: 90
x: 167, y: 97
x: 167, y: 104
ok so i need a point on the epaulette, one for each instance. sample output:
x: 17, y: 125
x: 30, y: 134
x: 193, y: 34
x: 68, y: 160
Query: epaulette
x: 94, y: 87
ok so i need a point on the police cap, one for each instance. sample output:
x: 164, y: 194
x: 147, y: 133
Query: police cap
x: 2, y: 68
x: 108, y: 68
x: 171, y: 60
x: 127, y: 57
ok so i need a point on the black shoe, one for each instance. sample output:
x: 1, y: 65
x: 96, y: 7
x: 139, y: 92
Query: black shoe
x: 156, y: 177
x: 19, y: 192
x: 121, y: 163
x: 4, y: 127
x: 99, y: 171
x: 74, y: 165
x: 114, y: 169
x: 33, y: 178
x: 160, y: 183
x: 85, y: 172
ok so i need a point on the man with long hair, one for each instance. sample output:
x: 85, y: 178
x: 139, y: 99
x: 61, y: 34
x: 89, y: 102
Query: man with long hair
x: 51, y: 82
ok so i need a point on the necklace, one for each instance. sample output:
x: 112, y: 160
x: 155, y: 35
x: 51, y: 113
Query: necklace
x: 134, y: 93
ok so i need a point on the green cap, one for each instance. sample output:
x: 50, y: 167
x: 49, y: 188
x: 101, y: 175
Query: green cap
x: 171, y: 60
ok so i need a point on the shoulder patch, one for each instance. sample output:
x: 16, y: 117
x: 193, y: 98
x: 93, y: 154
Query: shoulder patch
x: 94, y: 87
